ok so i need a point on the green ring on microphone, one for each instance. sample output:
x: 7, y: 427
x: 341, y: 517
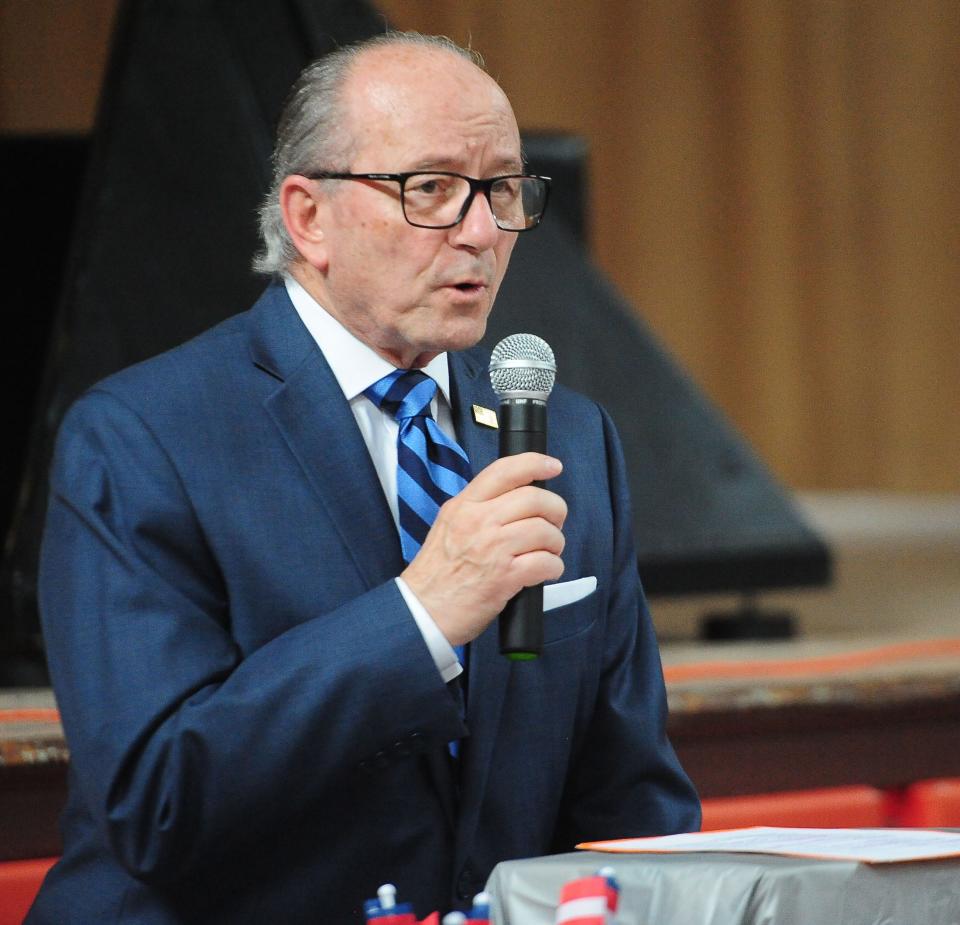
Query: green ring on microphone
x: 521, y: 656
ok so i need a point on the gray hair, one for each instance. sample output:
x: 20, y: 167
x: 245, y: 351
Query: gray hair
x: 313, y: 134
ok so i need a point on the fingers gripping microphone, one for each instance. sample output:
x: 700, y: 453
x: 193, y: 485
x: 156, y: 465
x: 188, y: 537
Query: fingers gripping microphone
x: 522, y: 371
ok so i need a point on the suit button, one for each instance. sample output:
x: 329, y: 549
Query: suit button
x: 402, y: 749
x: 381, y: 760
x: 417, y: 741
x: 365, y: 766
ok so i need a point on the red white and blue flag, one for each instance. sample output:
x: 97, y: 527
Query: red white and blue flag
x: 588, y: 901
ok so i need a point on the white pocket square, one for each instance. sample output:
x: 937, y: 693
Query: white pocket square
x: 568, y: 592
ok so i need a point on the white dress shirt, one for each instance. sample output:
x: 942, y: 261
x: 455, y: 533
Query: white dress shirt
x: 356, y: 367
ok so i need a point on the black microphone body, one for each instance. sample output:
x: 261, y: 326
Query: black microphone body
x: 522, y: 373
x: 523, y: 429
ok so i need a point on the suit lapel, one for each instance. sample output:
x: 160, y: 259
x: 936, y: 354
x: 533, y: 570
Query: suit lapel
x: 488, y: 671
x: 470, y: 386
x: 318, y: 426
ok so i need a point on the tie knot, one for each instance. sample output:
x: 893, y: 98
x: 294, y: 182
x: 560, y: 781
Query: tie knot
x: 404, y: 393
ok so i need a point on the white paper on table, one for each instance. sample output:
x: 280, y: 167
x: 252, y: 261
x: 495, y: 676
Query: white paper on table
x: 873, y: 846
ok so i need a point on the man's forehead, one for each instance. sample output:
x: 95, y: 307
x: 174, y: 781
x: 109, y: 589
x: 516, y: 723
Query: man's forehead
x: 401, y: 90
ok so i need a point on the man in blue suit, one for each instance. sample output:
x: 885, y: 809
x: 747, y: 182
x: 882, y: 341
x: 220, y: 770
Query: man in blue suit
x: 258, y: 690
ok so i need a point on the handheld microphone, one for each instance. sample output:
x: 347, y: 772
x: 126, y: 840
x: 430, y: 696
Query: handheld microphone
x: 522, y: 372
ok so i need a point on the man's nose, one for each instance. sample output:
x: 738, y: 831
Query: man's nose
x: 478, y: 229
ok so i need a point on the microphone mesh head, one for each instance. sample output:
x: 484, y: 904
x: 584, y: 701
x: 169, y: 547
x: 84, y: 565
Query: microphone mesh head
x: 522, y: 363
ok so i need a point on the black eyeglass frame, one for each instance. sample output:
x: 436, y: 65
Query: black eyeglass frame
x: 476, y: 186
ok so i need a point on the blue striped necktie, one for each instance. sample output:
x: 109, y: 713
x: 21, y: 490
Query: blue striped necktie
x: 431, y: 468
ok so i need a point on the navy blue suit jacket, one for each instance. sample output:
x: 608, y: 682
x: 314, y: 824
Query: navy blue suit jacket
x: 256, y: 726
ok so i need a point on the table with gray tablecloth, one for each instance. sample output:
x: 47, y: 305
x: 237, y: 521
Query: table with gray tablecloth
x: 736, y: 889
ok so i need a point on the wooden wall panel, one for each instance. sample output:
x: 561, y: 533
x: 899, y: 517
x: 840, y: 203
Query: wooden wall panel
x: 52, y: 56
x: 775, y: 187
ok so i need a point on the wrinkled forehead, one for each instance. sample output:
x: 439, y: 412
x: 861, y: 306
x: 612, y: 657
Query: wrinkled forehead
x: 411, y: 102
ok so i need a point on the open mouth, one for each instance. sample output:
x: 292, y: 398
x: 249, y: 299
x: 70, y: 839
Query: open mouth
x: 468, y: 287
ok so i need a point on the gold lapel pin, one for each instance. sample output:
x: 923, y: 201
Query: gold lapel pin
x: 485, y: 416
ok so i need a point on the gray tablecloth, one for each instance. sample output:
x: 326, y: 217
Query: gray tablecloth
x: 736, y: 889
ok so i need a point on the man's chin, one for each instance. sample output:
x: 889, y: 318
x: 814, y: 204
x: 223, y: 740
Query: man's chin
x: 452, y: 338
x: 465, y: 335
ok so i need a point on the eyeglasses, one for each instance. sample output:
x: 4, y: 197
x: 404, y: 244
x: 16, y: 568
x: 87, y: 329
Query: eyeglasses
x: 441, y: 199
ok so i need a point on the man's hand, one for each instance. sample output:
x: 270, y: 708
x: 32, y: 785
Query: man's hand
x: 500, y: 534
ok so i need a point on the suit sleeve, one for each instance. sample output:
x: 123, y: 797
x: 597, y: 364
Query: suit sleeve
x: 626, y: 779
x: 182, y: 747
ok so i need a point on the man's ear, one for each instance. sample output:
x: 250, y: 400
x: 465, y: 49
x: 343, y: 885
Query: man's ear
x: 302, y: 208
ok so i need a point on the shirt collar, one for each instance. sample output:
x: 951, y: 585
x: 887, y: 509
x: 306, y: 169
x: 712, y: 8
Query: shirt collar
x: 355, y: 365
